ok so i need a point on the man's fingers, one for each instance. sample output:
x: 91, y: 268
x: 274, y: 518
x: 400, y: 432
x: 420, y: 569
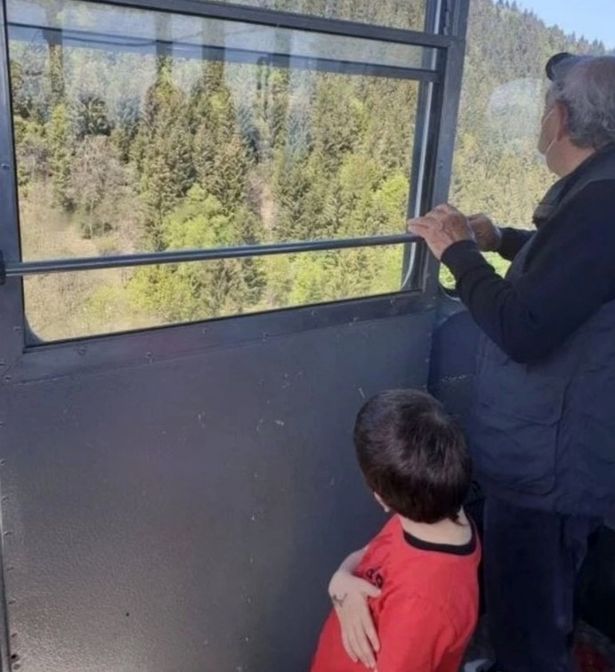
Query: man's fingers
x: 420, y: 224
x: 444, y: 209
x: 448, y: 209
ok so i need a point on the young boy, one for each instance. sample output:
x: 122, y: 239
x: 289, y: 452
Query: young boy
x: 413, y: 591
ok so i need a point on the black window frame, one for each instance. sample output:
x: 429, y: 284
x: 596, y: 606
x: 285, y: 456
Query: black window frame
x: 431, y: 161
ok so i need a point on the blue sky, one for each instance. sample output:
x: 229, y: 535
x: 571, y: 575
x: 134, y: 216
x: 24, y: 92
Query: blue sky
x: 595, y: 19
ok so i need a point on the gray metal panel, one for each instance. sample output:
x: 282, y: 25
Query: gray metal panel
x: 186, y: 514
x: 11, y: 300
x: 453, y: 357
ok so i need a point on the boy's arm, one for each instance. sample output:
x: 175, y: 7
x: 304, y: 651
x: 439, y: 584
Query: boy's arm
x: 349, y: 595
x: 414, y: 635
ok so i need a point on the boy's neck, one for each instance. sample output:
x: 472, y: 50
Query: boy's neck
x: 444, y: 532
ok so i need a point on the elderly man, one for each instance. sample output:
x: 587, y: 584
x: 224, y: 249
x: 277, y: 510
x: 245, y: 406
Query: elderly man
x: 543, y: 435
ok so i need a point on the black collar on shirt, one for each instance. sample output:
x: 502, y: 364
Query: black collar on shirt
x: 451, y: 549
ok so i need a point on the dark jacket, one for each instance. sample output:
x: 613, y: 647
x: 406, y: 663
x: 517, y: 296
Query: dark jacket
x: 543, y: 432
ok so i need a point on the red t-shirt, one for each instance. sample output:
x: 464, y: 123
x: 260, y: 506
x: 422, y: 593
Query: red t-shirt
x: 427, y: 609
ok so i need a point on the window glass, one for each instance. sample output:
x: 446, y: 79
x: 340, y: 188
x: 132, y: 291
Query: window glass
x: 142, y: 131
x: 113, y: 300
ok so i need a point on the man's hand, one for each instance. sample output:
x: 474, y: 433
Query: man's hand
x: 349, y: 595
x: 441, y: 228
x: 487, y: 234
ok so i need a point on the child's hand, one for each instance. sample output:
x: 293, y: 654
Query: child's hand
x: 349, y: 595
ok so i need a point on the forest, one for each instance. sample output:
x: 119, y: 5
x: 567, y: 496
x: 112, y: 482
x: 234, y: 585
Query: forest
x: 124, y: 150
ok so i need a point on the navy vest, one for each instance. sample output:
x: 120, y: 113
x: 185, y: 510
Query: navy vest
x: 543, y: 434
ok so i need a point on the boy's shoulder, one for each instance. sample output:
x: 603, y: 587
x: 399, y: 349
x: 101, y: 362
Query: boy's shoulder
x: 405, y: 563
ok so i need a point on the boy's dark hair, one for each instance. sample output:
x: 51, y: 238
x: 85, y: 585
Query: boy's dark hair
x: 413, y: 455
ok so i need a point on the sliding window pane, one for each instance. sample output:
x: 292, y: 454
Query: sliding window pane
x: 114, y: 300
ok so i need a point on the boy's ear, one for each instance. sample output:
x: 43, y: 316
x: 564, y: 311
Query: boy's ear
x: 380, y: 501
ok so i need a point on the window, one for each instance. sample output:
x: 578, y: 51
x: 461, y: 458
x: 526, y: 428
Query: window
x: 497, y: 168
x: 141, y: 131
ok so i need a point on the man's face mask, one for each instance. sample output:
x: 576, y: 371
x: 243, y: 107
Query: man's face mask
x: 548, y: 134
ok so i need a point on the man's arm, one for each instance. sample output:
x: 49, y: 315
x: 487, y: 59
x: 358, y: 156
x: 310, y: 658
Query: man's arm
x: 511, y: 242
x: 414, y: 635
x: 570, y: 280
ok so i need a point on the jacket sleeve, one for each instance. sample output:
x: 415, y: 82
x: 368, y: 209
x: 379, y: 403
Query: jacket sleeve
x: 512, y: 242
x: 569, y: 280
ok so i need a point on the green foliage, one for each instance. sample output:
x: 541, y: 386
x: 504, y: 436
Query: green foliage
x: 188, y: 291
x: 220, y: 153
x: 90, y: 117
x: 60, y: 150
x: 98, y: 182
x: 163, y: 153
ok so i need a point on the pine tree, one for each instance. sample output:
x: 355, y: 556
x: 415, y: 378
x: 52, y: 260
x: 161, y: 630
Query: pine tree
x: 61, y: 154
x: 221, y: 154
x: 90, y: 117
x: 165, y: 153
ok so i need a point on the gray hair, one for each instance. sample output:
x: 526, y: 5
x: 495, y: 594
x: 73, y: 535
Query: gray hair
x: 587, y: 89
